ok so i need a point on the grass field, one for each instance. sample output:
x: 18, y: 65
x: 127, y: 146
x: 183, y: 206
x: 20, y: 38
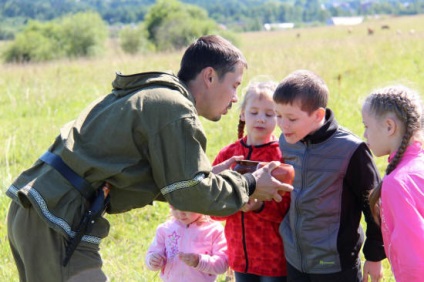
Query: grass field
x: 37, y: 99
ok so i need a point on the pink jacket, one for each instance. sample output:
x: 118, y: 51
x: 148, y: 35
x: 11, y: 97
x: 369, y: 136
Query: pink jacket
x: 402, y: 215
x: 204, y: 238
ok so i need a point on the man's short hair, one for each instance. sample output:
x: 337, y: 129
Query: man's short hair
x: 210, y: 51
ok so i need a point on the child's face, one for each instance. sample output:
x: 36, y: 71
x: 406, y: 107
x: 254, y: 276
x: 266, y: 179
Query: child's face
x: 295, y: 124
x: 185, y: 217
x: 376, y: 133
x: 260, y: 118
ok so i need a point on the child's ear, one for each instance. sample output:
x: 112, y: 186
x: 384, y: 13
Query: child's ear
x: 391, y: 126
x: 320, y: 114
x: 242, y: 116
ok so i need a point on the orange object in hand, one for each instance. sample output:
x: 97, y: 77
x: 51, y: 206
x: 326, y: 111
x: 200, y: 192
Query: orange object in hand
x: 283, y: 173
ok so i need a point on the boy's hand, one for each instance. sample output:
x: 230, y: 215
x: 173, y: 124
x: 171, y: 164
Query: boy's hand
x: 189, y: 259
x: 156, y: 261
x: 226, y: 164
x: 267, y: 187
x: 373, y: 269
x: 252, y: 205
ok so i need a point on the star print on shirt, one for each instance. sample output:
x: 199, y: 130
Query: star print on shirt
x: 172, y: 244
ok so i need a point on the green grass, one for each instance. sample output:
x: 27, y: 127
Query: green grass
x: 37, y: 99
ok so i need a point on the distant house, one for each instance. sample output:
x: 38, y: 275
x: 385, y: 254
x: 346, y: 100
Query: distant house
x: 345, y: 20
x: 278, y: 26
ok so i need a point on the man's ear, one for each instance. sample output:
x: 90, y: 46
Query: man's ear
x: 208, y: 75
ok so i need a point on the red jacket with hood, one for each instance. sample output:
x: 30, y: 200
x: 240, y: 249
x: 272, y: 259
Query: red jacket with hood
x: 254, y: 242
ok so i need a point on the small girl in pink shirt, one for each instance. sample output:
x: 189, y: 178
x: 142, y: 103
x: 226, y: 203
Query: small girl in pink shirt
x: 393, y: 126
x: 188, y: 247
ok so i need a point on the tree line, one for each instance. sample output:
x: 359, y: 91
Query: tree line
x: 54, y: 29
x: 239, y: 15
x: 168, y: 25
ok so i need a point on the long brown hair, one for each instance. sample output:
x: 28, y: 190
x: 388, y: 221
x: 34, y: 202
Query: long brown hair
x: 406, y: 106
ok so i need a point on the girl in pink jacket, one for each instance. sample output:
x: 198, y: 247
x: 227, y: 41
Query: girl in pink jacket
x: 188, y: 247
x: 393, y: 125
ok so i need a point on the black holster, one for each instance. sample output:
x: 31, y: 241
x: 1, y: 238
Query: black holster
x: 97, y: 208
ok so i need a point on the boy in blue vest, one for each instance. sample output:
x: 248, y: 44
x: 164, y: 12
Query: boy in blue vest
x: 335, y: 171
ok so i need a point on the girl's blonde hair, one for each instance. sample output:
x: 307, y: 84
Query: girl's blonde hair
x: 256, y: 88
x: 405, y: 104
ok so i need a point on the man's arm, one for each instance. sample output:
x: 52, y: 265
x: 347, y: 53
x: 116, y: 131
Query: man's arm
x: 182, y: 170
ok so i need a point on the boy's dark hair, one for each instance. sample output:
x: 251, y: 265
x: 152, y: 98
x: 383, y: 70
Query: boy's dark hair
x: 305, y: 87
x: 210, y: 51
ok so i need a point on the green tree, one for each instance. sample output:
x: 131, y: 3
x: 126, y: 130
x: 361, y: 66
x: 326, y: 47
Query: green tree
x: 311, y: 11
x: 172, y: 25
x: 37, y: 42
x: 82, y: 34
x: 133, y: 39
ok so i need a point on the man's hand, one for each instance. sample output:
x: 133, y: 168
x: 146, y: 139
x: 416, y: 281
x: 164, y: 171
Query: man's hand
x: 373, y: 269
x: 267, y: 187
x: 189, y: 259
x: 226, y: 164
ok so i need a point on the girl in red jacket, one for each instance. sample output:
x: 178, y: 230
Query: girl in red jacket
x: 255, y: 247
